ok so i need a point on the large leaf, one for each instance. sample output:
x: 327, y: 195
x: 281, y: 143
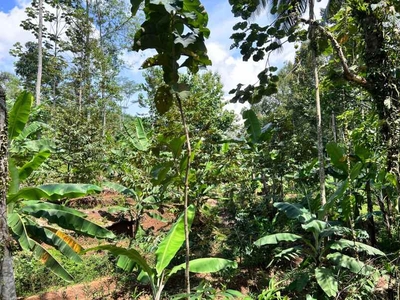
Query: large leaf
x: 206, y: 265
x: 350, y: 263
x: 56, y: 239
x: 53, y: 192
x: 49, y: 261
x: 326, y: 281
x: 336, y: 195
x: 68, y: 190
x: 135, y: 6
x: 315, y: 226
x: 13, y: 186
x: 294, y: 211
x: 273, y: 239
x: 19, y: 114
x: 356, y: 246
x: 173, y: 241
x: 18, y: 226
x: 253, y: 126
x: 31, y: 206
x: 132, y: 254
x: 67, y: 219
x: 138, y: 138
x: 28, y: 130
x: 33, y: 165
x: 337, y: 155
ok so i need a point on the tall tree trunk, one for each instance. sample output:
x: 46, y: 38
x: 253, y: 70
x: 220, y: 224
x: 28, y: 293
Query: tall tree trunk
x: 320, y: 145
x: 7, y: 284
x: 40, y: 53
x: 383, y: 87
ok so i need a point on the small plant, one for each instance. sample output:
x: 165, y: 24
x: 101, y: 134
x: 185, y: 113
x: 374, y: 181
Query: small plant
x: 321, y: 254
x: 158, y: 275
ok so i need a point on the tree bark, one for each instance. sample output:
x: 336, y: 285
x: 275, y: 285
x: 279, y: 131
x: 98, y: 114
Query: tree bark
x: 40, y: 53
x: 7, y: 284
x: 320, y: 145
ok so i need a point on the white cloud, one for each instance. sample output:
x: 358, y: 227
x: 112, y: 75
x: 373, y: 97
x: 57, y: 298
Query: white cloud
x: 12, y: 32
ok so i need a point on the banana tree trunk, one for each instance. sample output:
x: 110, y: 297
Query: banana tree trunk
x: 7, y: 284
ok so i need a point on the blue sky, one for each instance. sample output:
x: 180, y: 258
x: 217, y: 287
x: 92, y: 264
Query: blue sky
x: 226, y: 62
x: 7, y: 5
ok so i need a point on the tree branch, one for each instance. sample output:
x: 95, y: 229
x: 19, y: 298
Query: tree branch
x: 348, y: 74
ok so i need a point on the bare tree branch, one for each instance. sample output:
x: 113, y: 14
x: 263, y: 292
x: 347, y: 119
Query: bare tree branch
x: 348, y: 74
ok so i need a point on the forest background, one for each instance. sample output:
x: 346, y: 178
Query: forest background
x: 300, y: 194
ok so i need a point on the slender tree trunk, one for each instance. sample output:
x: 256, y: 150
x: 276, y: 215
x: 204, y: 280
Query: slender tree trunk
x: 186, y: 194
x: 370, y: 218
x: 7, y: 284
x: 320, y: 145
x: 40, y: 53
x: 334, y: 127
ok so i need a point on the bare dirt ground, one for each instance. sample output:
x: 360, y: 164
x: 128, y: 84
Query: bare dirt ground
x: 104, y: 288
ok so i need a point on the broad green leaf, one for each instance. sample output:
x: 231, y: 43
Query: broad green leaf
x: 205, y: 265
x: 28, y: 130
x: 14, y: 177
x: 356, y: 246
x: 19, y: 114
x: 163, y: 99
x: 29, y: 193
x: 53, y: 192
x: 68, y: 190
x: 49, y: 261
x: 253, y: 126
x: 315, y: 226
x: 135, y: 6
x: 266, y: 132
x: 294, y: 211
x: 132, y: 254
x: 33, y: 205
x: 176, y: 146
x: 362, y: 152
x: 75, y: 246
x: 350, y: 263
x: 336, y: 195
x: 141, y: 134
x: 126, y: 264
x: 356, y: 170
x: 138, y: 138
x: 326, y: 281
x: 50, y: 237
x: 68, y: 220
x: 173, y: 241
x: 34, y: 164
x: 337, y: 155
x: 273, y: 239
x: 17, y: 225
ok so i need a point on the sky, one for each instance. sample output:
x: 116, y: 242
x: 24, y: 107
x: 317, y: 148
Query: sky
x: 228, y: 63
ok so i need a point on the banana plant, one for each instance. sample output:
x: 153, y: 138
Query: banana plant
x: 158, y: 275
x: 28, y: 206
x: 321, y: 247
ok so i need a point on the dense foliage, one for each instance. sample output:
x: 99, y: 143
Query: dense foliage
x: 297, y: 198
